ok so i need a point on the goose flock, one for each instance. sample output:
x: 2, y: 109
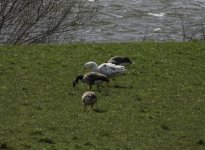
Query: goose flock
x: 99, y: 74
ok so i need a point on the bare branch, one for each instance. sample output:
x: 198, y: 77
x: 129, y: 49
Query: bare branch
x: 29, y: 21
x: 183, y: 28
x: 145, y: 35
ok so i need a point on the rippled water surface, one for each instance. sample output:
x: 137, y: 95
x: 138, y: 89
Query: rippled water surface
x: 135, y: 20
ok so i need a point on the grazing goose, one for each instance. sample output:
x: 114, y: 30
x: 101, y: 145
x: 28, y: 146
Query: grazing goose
x: 120, y: 60
x: 91, y: 78
x: 89, y: 98
x: 108, y: 69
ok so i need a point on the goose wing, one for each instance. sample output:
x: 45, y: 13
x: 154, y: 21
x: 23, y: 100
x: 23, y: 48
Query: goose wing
x: 94, y: 77
x: 118, y: 60
x: 110, y: 69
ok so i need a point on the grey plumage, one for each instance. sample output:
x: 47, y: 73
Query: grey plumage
x: 91, y: 78
x: 120, y: 60
x: 89, y: 98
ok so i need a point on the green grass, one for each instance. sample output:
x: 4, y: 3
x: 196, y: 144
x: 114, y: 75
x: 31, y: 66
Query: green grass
x: 159, y: 104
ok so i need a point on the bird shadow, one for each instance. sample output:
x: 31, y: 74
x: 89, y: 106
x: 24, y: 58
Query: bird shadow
x: 99, y: 110
x: 122, y: 87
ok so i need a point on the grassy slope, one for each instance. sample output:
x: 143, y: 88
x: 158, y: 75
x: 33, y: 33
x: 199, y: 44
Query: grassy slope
x: 158, y: 105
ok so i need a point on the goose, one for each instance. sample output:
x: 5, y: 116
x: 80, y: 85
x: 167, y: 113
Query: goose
x: 91, y: 78
x: 108, y: 69
x: 89, y: 98
x: 120, y: 60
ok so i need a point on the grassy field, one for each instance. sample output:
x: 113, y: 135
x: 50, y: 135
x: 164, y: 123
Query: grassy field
x: 158, y: 105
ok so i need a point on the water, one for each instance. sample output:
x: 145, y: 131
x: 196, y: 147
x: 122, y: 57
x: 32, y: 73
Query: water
x: 135, y: 20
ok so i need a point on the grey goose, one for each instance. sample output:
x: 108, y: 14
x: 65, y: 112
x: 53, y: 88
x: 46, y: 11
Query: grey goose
x: 91, y: 78
x: 89, y: 98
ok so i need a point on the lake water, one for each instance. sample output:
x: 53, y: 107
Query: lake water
x: 131, y: 20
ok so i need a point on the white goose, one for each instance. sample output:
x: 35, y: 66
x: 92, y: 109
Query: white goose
x: 108, y: 69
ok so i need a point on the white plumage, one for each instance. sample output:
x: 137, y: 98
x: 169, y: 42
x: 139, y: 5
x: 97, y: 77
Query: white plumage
x: 108, y: 69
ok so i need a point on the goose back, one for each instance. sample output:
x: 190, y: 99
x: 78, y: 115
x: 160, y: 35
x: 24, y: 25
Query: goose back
x: 120, y: 60
x: 94, y: 78
x: 111, y: 70
x: 89, y: 98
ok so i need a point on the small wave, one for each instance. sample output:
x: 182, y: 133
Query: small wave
x: 157, y: 15
x: 157, y: 29
x: 112, y: 15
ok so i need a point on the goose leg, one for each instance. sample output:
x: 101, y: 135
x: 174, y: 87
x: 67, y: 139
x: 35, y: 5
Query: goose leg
x: 90, y: 87
x: 98, y: 88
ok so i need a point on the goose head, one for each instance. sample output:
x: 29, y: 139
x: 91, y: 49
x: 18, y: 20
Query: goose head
x: 91, y: 66
x: 80, y: 77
